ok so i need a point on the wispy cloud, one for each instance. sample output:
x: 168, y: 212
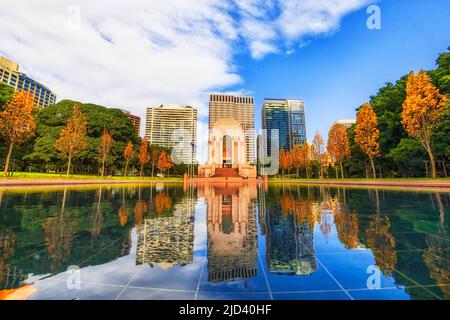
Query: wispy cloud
x: 133, y: 53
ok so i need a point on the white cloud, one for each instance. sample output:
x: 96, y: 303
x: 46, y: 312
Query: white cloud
x: 132, y: 54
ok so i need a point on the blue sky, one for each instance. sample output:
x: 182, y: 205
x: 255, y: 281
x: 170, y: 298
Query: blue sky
x: 336, y: 73
x: 134, y: 54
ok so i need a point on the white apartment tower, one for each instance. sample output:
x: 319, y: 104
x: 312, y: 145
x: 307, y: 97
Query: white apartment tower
x: 173, y: 126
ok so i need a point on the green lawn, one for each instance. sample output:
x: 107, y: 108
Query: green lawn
x: 54, y: 176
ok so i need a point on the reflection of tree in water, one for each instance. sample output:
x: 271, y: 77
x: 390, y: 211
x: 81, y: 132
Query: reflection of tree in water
x: 97, y: 217
x: 300, y: 208
x: 347, y: 229
x: 163, y: 202
x: 437, y: 255
x: 123, y: 210
x: 10, y: 276
x: 59, y: 232
x: 437, y: 264
x: 382, y: 243
x: 140, y: 209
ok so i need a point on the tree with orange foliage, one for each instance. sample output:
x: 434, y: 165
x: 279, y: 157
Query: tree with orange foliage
x: 144, y: 157
x: 318, y: 152
x: 382, y: 243
x: 338, y: 145
x: 305, y: 157
x: 72, y: 139
x: 106, y: 143
x: 367, y: 133
x: 285, y: 161
x: 154, y: 159
x: 17, y: 124
x: 423, y: 107
x: 127, y: 154
x: 164, y: 162
x: 296, y: 156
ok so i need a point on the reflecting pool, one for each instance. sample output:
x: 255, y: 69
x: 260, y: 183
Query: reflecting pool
x: 223, y: 242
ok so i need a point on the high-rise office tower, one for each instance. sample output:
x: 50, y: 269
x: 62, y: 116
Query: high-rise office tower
x: 10, y: 75
x: 173, y: 126
x: 242, y: 109
x: 288, y: 116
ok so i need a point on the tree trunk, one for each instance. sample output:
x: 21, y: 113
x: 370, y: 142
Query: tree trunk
x: 142, y: 168
x: 307, y: 173
x: 297, y: 174
x: 8, y: 158
x: 321, y: 171
x: 153, y: 168
x: 69, y: 162
x: 126, y: 168
x: 373, y: 168
x: 342, y: 170
x: 433, y: 163
x: 103, y: 167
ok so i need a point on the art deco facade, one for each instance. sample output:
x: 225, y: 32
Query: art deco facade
x: 172, y: 125
x: 227, y: 152
x: 288, y: 116
x: 242, y: 109
x: 10, y: 75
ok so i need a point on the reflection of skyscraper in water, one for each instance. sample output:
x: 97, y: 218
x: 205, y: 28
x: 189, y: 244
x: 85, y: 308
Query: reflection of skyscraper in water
x: 232, y: 232
x: 290, y: 243
x: 167, y: 241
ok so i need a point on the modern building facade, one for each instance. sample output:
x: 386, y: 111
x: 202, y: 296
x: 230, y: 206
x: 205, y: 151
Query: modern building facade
x: 10, y: 75
x: 288, y: 116
x: 242, y: 109
x: 135, y: 121
x: 175, y: 127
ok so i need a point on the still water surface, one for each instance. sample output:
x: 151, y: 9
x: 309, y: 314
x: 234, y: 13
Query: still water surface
x: 224, y: 242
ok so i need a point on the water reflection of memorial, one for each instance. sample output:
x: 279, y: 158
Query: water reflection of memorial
x: 166, y: 238
x: 232, y: 231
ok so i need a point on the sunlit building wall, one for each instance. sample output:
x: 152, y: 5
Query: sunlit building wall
x: 10, y: 75
x: 162, y: 123
x: 135, y: 121
x: 242, y: 109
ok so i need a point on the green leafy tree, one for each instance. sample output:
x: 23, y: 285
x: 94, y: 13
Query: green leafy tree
x: 51, y: 120
x: 6, y: 93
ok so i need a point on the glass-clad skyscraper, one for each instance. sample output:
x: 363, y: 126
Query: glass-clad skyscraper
x: 10, y: 75
x: 288, y: 116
